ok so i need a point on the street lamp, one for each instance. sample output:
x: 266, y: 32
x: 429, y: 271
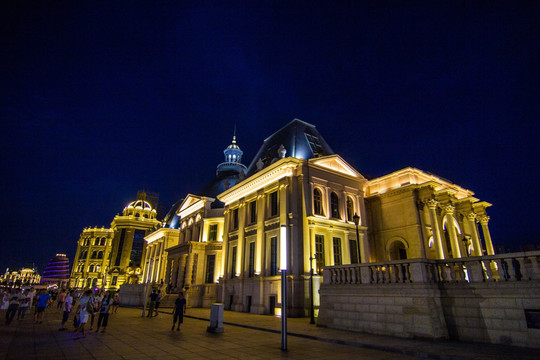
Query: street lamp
x: 283, y: 268
x: 312, y: 310
x: 356, y: 220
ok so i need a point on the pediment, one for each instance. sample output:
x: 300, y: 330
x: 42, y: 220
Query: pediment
x: 188, y: 202
x: 337, y: 164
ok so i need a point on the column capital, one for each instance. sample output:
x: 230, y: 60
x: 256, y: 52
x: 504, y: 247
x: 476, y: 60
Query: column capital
x: 449, y: 209
x: 484, y: 219
x: 471, y: 216
x: 432, y: 203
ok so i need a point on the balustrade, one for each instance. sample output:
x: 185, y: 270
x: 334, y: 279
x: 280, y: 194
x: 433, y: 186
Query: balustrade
x: 504, y: 267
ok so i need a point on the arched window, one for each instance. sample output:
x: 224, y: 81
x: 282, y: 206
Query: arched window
x: 96, y: 242
x: 91, y: 268
x: 103, y: 240
x: 334, y: 205
x: 84, y: 254
x: 94, y: 255
x: 317, y: 202
x: 350, y: 208
x: 100, y: 255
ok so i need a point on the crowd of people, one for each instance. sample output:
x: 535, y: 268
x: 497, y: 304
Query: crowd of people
x: 87, y: 304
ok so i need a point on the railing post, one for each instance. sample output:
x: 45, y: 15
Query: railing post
x: 418, y: 272
x: 476, y: 273
x: 534, y: 267
x: 365, y: 274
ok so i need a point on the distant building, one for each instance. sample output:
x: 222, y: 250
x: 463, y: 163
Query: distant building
x: 57, y: 271
x: 24, y: 276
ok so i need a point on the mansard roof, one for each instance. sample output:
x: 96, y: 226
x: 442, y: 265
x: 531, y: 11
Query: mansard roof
x: 300, y: 139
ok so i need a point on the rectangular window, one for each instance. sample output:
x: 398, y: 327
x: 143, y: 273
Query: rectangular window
x: 114, y: 280
x: 273, y: 204
x: 319, y: 253
x: 273, y: 256
x: 233, y: 262
x: 235, y: 219
x: 120, y: 248
x: 253, y: 212
x: 210, y: 266
x: 137, y: 248
x: 251, y: 270
x: 337, y: 251
x: 354, y: 251
x: 212, y: 232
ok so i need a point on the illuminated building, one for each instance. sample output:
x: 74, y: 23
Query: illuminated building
x: 194, y: 260
x: 57, y: 271
x: 297, y: 183
x: 138, y: 219
x: 24, y: 276
x: 110, y: 257
x: 92, y: 258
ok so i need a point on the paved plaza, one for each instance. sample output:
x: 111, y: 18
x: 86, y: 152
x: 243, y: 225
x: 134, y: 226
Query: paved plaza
x: 246, y: 336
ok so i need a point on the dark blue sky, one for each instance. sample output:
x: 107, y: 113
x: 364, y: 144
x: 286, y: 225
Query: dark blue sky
x: 98, y: 101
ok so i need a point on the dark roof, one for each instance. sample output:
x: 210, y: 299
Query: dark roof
x: 223, y: 181
x: 171, y: 220
x: 300, y: 139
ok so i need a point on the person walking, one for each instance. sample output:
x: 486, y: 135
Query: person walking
x: 61, y: 299
x: 84, y: 309
x: 43, y: 300
x: 14, y: 303
x: 104, y: 312
x: 116, y: 301
x: 68, y: 302
x: 24, y: 304
x: 179, y: 311
x: 152, y: 303
x: 95, y: 299
x: 6, y: 294
x: 158, y: 301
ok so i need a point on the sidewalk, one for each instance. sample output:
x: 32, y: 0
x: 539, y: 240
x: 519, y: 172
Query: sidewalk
x: 246, y: 336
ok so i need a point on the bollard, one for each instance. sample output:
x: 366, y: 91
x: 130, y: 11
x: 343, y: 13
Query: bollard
x: 216, y: 318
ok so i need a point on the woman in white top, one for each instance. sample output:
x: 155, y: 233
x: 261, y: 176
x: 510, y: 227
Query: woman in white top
x: 84, y: 311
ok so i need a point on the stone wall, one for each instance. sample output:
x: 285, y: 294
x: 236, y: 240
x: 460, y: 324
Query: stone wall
x: 480, y: 299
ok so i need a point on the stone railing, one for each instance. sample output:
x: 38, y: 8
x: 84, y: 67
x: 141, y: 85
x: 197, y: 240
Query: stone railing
x: 522, y: 266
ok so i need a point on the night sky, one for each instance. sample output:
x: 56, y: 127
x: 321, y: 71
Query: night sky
x: 100, y: 100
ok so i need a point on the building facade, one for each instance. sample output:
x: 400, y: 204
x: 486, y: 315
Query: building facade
x: 109, y: 257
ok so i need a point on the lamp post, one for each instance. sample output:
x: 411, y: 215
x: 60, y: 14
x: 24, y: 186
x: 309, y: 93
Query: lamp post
x: 356, y: 220
x: 283, y: 267
x: 311, y: 310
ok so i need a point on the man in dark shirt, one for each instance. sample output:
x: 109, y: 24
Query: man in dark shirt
x: 152, y: 303
x: 179, y: 310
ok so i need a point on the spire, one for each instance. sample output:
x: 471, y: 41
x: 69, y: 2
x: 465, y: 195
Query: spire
x: 233, y: 157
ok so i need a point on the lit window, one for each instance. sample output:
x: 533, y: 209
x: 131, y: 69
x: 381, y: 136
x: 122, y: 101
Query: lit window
x: 319, y: 253
x: 212, y: 232
x: 273, y: 204
x: 350, y: 208
x: 337, y: 251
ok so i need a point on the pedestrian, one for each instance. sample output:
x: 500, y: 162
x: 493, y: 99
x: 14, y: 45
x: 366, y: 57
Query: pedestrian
x: 158, y: 301
x: 152, y: 303
x: 43, y: 300
x: 25, y: 301
x: 179, y: 310
x: 5, y: 301
x: 104, y: 312
x: 116, y: 301
x: 96, y: 302
x: 61, y: 299
x: 84, y: 309
x: 14, y: 303
x: 68, y: 302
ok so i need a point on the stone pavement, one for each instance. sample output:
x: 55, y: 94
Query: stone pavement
x: 246, y: 336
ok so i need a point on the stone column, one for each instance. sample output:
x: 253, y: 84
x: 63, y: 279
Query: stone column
x: 487, y: 237
x: 181, y: 271
x: 240, y: 254
x: 474, y: 234
x: 449, y: 214
x: 174, y: 270
x: 432, y: 205
x: 168, y: 264
x: 260, y: 243
x: 189, y: 270
x: 364, y: 248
